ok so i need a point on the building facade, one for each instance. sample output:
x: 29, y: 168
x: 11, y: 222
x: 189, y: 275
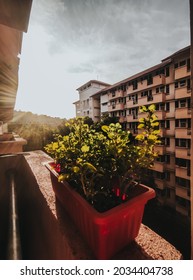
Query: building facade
x: 167, y: 85
x: 88, y: 105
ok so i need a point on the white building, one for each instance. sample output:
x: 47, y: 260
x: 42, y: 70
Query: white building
x: 89, y: 105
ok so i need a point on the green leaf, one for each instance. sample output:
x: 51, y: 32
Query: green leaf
x: 141, y: 126
x: 105, y: 128
x: 151, y: 108
x: 90, y: 166
x: 139, y: 137
x: 75, y: 169
x: 63, y: 177
x: 85, y: 149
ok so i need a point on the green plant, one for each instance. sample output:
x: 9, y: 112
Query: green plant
x: 100, y: 163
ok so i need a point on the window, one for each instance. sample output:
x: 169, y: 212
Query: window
x: 162, y: 106
x: 181, y: 143
x: 176, y: 65
x: 182, y: 63
x: 113, y: 94
x: 149, y: 79
x: 144, y: 93
x: 188, y: 64
x: 167, y: 175
x: 167, y: 158
x: 181, y: 201
x: 167, y: 142
x: 160, y: 158
x: 176, y: 84
x: 162, y: 124
x: 167, y: 89
x: 181, y: 123
x: 182, y: 162
x: 183, y: 182
x: 135, y: 84
x: 167, y: 124
x: 182, y: 83
x: 182, y: 103
x: 162, y: 89
x: 188, y: 84
x: 167, y: 71
x: 167, y: 106
x: 189, y: 123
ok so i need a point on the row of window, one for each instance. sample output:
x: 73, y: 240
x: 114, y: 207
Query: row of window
x: 183, y: 83
x: 179, y: 142
x: 149, y: 77
x: 182, y: 63
x: 167, y: 176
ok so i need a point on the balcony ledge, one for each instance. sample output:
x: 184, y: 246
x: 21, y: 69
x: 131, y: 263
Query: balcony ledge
x: 53, y: 235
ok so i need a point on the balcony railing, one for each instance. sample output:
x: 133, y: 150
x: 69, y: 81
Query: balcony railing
x: 181, y: 72
x: 183, y: 192
x: 182, y: 152
x: 183, y: 113
x: 182, y: 92
x: 183, y: 133
x: 182, y: 172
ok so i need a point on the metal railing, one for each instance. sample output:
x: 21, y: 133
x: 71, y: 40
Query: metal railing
x: 14, y: 243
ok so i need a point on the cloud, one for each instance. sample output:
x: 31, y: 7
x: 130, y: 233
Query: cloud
x: 78, y: 40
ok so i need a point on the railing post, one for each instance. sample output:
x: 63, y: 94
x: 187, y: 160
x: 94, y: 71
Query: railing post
x: 14, y: 244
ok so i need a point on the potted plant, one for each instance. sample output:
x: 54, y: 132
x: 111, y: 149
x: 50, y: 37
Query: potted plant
x: 96, y: 176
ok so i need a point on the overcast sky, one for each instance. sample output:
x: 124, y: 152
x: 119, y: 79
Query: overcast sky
x: 70, y: 42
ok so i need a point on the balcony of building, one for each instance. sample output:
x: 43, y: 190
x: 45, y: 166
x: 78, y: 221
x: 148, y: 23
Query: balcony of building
x: 182, y: 113
x: 182, y: 172
x: 160, y: 149
x: 133, y: 103
x: 182, y: 92
x: 122, y: 119
x: 158, y: 166
x: 181, y: 72
x: 183, y: 132
x: 183, y: 192
x: 182, y: 205
x: 159, y: 80
x: 132, y: 118
x: 46, y: 231
x: 160, y: 114
x: 182, y: 152
x: 159, y: 97
x: 116, y: 107
x: 116, y: 94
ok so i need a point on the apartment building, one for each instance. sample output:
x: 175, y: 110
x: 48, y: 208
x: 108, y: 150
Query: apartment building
x: 88, y: 105
x: 167, y: 85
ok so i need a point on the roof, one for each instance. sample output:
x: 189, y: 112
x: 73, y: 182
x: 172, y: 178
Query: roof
x: 164, y: 62
x: 15, y: 14
x: 177, y: 53
x: 93, y: 81
x: 76, y: 102
x: 140, y: 74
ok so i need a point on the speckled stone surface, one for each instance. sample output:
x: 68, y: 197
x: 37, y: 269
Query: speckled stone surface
x: 64, y: 238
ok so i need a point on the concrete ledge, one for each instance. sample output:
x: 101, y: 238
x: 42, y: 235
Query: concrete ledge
x: 12, y: 145
x: 64, y: 240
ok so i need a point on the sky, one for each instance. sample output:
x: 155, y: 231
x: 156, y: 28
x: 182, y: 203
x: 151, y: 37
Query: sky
x: 70, y: 42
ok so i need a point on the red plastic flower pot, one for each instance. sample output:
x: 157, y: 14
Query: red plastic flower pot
x: 108, y: 232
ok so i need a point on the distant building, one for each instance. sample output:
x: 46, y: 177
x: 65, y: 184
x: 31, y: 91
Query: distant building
x: 88, y: 105
x: 167, y: 85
